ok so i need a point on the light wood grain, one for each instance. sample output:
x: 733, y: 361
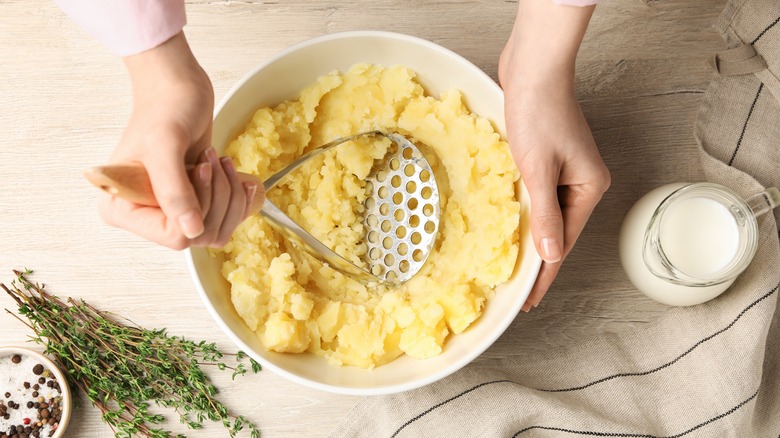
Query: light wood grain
x: 64, y: 102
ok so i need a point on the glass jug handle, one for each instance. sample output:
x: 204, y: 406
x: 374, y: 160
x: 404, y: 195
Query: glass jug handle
x: 764, y: 202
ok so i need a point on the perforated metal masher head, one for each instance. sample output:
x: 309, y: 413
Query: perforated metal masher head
x: 401, y: 219
x: 402, y: 212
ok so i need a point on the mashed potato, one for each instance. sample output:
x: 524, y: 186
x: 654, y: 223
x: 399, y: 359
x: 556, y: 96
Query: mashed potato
x: 292, y: 301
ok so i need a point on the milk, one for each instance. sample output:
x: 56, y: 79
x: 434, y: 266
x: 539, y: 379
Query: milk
x: 699, y: 236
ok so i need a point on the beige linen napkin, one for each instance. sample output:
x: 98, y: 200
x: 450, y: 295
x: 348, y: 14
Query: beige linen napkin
x: 704, y: 371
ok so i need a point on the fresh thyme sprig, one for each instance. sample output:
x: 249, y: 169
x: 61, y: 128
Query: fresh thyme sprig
x: 124, y: 368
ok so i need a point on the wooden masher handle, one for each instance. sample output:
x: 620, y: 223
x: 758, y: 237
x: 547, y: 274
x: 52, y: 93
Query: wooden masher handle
x: 130, y: 181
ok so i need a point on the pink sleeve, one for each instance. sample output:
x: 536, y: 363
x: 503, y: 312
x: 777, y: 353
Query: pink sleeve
x: 576, y: 2
x: 127, y: 27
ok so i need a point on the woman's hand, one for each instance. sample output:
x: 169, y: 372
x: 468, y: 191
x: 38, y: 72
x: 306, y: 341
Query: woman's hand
x: 169, y: 132
x: 547, y: 132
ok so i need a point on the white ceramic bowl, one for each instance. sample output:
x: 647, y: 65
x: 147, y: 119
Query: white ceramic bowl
x: 283, y: 77
x: 67, y: 401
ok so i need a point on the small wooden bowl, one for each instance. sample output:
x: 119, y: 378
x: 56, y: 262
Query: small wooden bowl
x: 67, y: 400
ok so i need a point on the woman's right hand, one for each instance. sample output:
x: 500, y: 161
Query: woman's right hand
x: 201, y: 198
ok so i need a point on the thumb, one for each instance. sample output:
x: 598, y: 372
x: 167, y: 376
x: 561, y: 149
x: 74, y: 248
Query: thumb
x: 175, y: 194
x: 546, y: 216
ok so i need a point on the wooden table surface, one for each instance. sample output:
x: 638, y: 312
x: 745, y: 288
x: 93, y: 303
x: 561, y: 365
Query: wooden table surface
x: 65, y: 100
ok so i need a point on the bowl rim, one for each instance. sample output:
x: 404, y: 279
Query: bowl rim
x: 456, y: 365
x: 54, y: 368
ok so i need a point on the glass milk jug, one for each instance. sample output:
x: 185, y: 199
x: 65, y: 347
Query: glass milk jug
x: 685, y: 243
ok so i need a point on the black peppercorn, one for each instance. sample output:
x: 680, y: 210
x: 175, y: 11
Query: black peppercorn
x: 37, y: 369
x: 16, y: 358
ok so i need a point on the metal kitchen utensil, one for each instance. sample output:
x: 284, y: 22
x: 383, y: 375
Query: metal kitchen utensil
x: 401, y: 211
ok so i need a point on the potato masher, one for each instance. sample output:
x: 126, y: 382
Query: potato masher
x: 401, y: 216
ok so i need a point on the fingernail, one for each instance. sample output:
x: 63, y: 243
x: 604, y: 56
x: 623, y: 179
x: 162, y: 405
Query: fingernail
x: 211, y: 154
x: 227, y: 164
x: 191, y: 224
x: 204, y: 173
x: 251, y: 189
x: 526, y: 307
x: 551, y: 251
